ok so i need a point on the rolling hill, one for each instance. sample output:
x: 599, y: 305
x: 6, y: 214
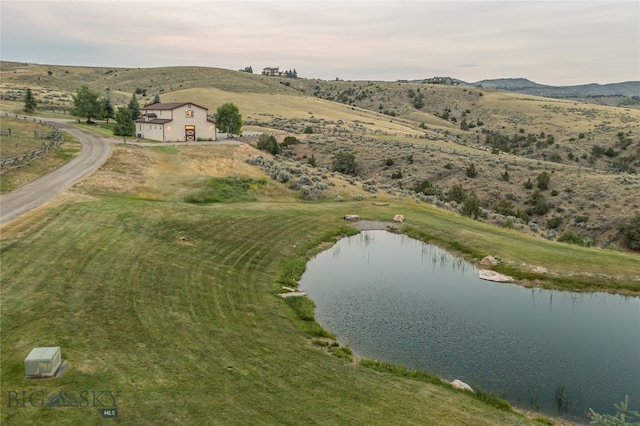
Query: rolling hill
x: 629, y: 89
x: 407, y: 136
x: 172, y: 303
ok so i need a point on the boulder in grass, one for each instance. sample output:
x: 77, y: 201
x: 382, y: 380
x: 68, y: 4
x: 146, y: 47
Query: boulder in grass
x: 459, y: 384
x: 489, y: 261
x: 398, y: 218
x: 351, y: 217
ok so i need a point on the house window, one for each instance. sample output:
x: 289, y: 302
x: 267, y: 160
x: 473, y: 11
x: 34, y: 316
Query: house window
x: 189, y: 113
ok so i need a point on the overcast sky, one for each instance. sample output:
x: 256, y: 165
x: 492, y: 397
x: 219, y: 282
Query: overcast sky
x: 549, y: 42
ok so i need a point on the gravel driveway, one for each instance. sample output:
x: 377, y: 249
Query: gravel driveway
x: 95, y: 151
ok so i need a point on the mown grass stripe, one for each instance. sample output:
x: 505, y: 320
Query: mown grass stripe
x: 190, y: 331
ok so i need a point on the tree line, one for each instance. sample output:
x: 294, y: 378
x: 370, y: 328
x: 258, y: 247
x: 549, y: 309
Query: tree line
x: 90, y: 105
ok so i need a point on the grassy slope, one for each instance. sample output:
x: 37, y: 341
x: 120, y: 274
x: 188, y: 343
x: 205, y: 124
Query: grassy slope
x: 166, y: 324
x: 603, y: 199
x: 172, y: 304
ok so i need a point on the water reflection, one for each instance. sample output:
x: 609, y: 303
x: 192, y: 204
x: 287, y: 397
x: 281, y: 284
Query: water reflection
x: 395, y: 299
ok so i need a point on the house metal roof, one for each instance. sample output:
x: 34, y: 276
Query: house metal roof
x: 170, y: 106
x: 154, y: 121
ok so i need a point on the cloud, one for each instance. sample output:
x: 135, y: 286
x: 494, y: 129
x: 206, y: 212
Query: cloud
x: 550, y: 42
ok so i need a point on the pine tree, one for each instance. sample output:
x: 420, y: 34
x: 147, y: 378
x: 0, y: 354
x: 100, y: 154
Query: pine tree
x: 125, y: 126
x: 543, y: 180
x: 623, y: 416
x: 471, y: 206
x: 134, y: 107
x: 107, y: 108
x: 29, y: 102
x: 471, y: 171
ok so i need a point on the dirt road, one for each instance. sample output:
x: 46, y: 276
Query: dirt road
x: 95, y: 151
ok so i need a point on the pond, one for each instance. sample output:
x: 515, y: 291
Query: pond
x: 395, y: 299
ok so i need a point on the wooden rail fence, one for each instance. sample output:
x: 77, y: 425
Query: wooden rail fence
x: 53, y: 136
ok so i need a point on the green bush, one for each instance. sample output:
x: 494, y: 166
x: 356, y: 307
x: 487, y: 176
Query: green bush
x: 597, y: 151
x: 543, y: 180
x: 523, y: 214
x: 630, y: 230
x: 418, y: 101
x: 308, y: 129
x: 537, y: 200
x: 505, y: 207
x: 570, y: 237
x: 396, y: 175
x: 427, y: 188
x: 581, y: 219
x: 471, y: 206
x: 471, y: 171
x: 268, y: 143
x: 554, y: 222
x: 312, y: 161
x: 290, y: 140
x: 345, y: 163
x: 528, y: 184
x: 456, y: 193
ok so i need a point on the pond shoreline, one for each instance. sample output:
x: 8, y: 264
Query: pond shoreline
x: 377, y: 225
x: 393, y: 229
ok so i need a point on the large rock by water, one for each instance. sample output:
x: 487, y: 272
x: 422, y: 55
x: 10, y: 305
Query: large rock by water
x: 485, y: 274
x: 489, y: 261
x: 459, y: 384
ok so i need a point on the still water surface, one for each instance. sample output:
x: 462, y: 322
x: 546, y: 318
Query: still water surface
x: 395, y: 299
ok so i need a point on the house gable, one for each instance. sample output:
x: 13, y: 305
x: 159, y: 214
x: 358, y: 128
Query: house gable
x: 175, y: 122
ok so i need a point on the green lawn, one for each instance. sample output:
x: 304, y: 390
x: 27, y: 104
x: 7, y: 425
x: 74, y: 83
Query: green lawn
x: 569, y: 266
x: 172, y: 305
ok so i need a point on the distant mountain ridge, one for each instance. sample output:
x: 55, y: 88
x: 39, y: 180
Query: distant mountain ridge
x: 523, y: 85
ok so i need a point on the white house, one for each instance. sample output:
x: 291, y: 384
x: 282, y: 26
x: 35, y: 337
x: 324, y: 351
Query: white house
x: 175, y: 122
x: 272, y: 72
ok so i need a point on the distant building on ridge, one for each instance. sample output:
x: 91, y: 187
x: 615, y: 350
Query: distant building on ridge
x: 272, y: 72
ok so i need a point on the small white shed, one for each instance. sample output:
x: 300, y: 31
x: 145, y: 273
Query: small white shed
x: 43, y: 362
